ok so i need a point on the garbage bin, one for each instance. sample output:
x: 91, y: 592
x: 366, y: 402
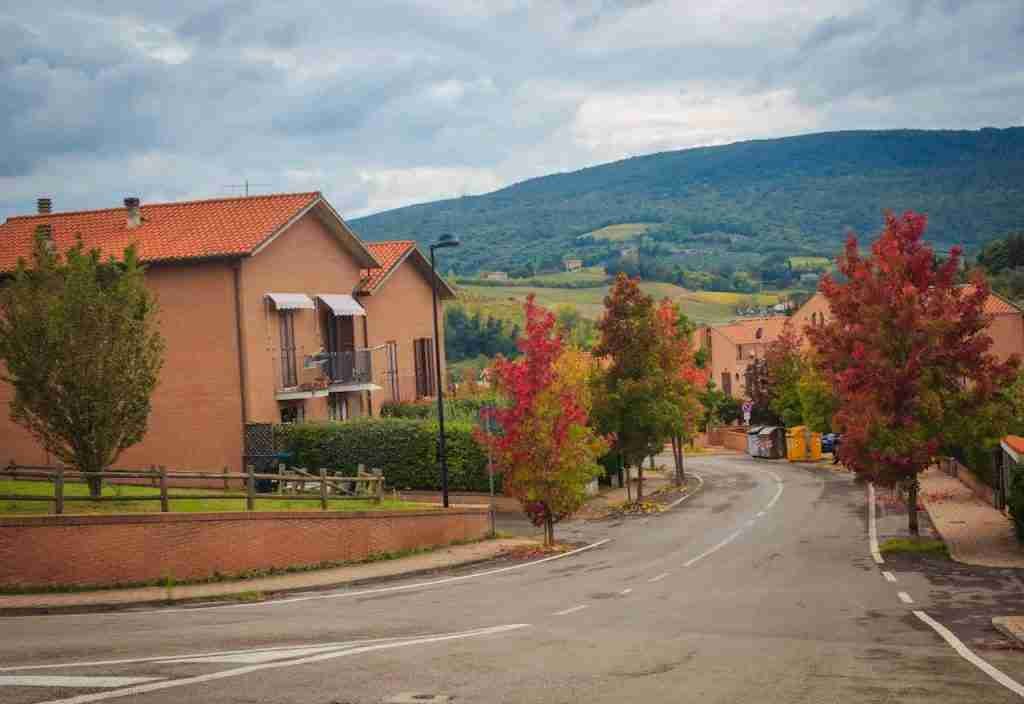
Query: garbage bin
x: 814, y: 447
x: 796, y: 446
x: 753, y: 445
x: 772, y: 442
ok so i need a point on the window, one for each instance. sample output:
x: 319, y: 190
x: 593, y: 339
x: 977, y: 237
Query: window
x: 739, y: 351
x: 727, y: 383
x: 759, y: 333
x: 423, y: 358
x: 293, y: 412
x: 288, y: 373
x: 391, y: 375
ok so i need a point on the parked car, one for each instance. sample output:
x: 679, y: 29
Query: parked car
x: 829, y: 442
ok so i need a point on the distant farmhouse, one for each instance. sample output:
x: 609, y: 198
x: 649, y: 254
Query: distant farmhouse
x: 494, y: 275
x: 573, y: 264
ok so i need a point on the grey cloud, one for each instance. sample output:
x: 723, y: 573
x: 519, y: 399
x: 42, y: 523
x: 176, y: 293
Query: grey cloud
x: 210, y: 26
x: 833, y: 28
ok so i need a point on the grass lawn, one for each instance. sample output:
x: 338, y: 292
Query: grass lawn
x: 182, y: 505
x: 921, y: 546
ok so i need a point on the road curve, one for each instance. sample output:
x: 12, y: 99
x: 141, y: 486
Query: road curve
x: 760, y: 588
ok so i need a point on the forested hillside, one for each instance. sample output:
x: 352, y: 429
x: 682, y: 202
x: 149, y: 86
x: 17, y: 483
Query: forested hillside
x: 736, y: 203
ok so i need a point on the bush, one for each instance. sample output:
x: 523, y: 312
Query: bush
x: 403, y: 448
x: 466, y: 410
x: 1015, y: 500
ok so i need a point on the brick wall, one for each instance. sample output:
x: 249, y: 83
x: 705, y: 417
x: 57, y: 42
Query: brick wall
x: 103, y: 550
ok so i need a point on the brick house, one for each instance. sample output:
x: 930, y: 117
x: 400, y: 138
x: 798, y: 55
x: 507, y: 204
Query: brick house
x: 250, y: 290
x: 733, y: 346
x: 1006, y: 328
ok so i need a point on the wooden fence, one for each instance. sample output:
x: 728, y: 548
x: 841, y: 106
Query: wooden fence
x: 330, y: 487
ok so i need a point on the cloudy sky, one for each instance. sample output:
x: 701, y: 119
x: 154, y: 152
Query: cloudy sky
x: 391, y: 102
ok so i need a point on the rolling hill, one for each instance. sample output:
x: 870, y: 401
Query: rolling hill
x: 794, y: 196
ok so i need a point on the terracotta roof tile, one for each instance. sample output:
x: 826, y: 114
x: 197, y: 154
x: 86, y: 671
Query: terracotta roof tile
x: 744, y: 332
x: 170, y: 231
x: 995, y: 304
x: 388, y: 253
x: 1015, y: 442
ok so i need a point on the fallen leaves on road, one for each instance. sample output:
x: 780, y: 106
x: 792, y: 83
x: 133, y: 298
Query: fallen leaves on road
x: 528, y: 552
x: 638, y: 508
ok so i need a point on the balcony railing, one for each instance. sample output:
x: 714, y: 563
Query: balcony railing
x: 350, y: 367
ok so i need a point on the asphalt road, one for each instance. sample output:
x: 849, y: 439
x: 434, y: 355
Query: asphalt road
x: 761, y: 588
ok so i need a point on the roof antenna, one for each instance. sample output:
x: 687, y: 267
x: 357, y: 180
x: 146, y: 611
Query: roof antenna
x: 246, y: 186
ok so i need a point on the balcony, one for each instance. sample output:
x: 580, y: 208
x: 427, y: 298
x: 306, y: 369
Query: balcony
x: 351, y: 370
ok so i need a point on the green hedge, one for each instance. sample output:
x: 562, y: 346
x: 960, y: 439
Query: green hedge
x: 405, y: 449
x: 465, y: 410
x: 1015, y: 500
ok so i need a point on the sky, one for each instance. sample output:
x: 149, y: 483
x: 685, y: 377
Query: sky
x: 391, y: 102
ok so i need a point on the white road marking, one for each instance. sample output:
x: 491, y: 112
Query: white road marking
x: 725, y: 541
x: 261, y: 656
x: 696, y: 489
x: 659, y: 577
x: 238, y: 671
x: 905, y: 598
x: 364, y: 592
x: 208, y: 654
x: 625, y: 591
x: 968, y: 655
x: 571, y: 610
x: 889, y: 576
x: 71, y: 681
x: 872, y: 528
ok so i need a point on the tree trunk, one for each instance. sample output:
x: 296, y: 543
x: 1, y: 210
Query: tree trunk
x: 682, y: 463
x: 629, y: 486
x: 95, y: 485
x: 640, y: 481
x: 912, y: 507
x: 549, y: 530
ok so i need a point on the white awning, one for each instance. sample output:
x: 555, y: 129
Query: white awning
x: 341, y: 303
x: 291, y: 301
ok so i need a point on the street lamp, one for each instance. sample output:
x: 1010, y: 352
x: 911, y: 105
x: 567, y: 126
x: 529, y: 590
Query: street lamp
x: 446, y: 240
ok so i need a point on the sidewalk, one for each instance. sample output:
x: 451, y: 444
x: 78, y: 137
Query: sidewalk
x: 975, y: 532
x: 452, y: 556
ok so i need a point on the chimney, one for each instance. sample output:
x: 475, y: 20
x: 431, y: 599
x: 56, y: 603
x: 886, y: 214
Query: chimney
x: 44, y: 205
x: 134, y: 213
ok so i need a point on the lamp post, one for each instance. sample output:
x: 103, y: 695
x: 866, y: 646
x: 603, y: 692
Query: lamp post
x: 446, y: 240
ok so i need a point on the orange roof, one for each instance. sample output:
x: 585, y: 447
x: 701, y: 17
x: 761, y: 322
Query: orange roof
x: 224, y: 227
x: 994, y: 304
x: 1015, y: 442
x: 389, y: 254
x: 744, y: 332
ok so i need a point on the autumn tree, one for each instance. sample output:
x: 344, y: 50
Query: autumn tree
x: 817, y: 401
x: 682, y: 379
x: 907, y: 353
x: 630, y: 401
x: 545, y: 448
x: 81, y: 350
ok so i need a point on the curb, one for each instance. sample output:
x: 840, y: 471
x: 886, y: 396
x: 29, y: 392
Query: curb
x: 230, y: 597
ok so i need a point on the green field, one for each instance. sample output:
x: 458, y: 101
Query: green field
x: 619, y: 233
x: 810, y: 263
x: 182, y: 505
x: 594, y: 274
x: 704, y: 307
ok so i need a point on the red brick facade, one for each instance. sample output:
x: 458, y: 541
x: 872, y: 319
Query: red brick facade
x: 121, y: 549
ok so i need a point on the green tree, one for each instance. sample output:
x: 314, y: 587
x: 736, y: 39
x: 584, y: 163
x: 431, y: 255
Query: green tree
x: 79, y: 340
x: 817, y: 401
x: 631, y: 401
x: 784, y: 365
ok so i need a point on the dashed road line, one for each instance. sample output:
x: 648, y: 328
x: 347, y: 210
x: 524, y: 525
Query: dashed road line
x: 624, y: 592
x: 889, y: 576
x: 872, y: 528
x: 571, y: 610
x: 659, y: 577
x: 905, y: 598
x: 968, y: 655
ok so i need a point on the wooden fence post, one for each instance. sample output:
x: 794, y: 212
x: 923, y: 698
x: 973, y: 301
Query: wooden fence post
x: 155, y: 480
x: 380, y: 490
x: 225, y: 473
x: 250, y: 488
x: 58, y: 491
x: 164, y: 503
x: 323, y: 489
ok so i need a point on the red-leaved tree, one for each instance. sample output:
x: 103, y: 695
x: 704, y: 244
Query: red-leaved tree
x: 906, y: 351
x: 545, y: 448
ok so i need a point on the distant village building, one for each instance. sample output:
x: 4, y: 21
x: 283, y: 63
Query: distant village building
x: 628, y: 252
x: 573, y: 264
x: 494, y: 276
